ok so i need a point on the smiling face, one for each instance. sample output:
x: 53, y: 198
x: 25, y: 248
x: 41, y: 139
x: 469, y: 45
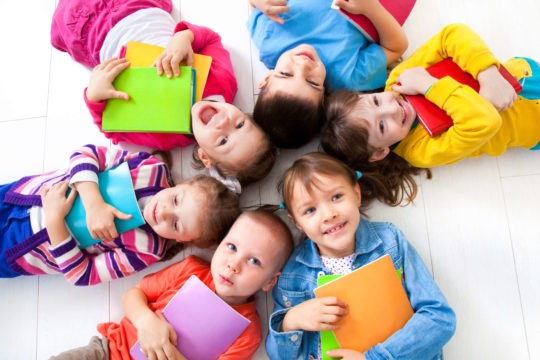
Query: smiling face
x: 247, y: 260
x: 388, y: 116
x: 299, y: 72
x: 177, y: 213
x: 225, y: 134
x: 328, y: 214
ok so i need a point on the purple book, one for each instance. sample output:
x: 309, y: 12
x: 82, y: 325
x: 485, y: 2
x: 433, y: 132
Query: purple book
x: 205, y: 324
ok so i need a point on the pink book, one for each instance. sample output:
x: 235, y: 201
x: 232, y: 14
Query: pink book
x: 205, y: 324
x: 399, y: 9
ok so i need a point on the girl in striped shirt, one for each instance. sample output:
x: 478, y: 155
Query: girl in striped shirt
x: 35, y: 240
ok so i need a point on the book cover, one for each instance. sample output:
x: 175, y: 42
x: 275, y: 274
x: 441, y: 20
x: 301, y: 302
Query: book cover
x: 205, y: 324
x: 434, y: 119
x: 116, y: 187
x: 143, y: 55
x: 377, y: 303
x: 399, y: 9
x: 156, y: 103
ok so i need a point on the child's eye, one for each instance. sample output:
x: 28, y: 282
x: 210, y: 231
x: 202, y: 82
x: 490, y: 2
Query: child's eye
x: 255, y: 261
x: 381, y: 127
x: 175, y: 200
x: 240, y: 124
x: 286, y: 74
x: 376, y: 101
x: 314, y: 83
x: 337, y: 197
x: 231, y: 247
x: 222, y: 141
x: 309, y: 211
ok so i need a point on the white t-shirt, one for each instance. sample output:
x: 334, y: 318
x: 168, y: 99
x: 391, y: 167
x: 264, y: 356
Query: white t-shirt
x: 152, y: 26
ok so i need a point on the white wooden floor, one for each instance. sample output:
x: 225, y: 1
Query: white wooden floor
x: 475, y: 224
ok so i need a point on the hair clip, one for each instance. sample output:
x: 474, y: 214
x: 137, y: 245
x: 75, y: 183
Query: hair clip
x: 282, y: 205
x: 358, y: 174
x: 230, y: 182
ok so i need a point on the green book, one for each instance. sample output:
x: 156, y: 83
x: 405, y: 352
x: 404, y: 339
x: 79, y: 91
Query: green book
x: 116, y: 187
x: 156, y: 103
x: 328, y: 339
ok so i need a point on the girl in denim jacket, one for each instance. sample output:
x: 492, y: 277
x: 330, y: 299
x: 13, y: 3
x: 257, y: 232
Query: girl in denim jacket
x: 323, y: 199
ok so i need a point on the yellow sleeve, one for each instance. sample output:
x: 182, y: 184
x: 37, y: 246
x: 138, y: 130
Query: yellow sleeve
x: 476, y: 121
x: 457, y: 41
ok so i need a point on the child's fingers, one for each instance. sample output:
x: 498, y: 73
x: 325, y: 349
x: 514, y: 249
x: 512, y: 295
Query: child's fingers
x: 332, y: 300
x: 122, y: 216
x: 115, y: 94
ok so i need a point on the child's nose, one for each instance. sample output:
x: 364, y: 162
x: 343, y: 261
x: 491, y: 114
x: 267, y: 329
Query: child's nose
x: 233, y: 267
x: 328, y: 212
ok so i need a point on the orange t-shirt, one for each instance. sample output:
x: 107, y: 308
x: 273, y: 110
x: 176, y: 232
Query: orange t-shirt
x: 159, y: 288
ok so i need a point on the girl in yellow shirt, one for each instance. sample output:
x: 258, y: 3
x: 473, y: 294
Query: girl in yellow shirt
x: 377, y: 133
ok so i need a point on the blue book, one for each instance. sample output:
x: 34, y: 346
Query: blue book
x: 116, y: 187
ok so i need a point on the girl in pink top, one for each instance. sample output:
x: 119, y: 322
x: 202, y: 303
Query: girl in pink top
x: 94, y: 32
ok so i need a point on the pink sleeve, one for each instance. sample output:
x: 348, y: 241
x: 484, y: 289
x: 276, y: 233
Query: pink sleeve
x: 160, y: 141
x: 221, y: 79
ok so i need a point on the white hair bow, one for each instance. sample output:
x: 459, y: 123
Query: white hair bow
x: 230, y: 182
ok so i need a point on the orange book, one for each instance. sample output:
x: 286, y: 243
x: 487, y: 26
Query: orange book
x: 377, y: 303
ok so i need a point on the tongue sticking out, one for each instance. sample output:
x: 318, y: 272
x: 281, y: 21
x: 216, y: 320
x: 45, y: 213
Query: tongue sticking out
x: 207, y: 114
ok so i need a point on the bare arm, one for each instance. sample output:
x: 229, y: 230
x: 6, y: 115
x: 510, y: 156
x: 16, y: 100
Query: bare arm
x: 392, y: 37
x: 156, y: 336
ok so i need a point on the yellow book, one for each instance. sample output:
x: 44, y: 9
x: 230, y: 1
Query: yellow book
x: 140, y: 55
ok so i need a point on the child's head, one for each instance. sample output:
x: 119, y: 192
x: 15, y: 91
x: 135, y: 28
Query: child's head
x: 323, y: 199
x: 250, y: 256
x: 229, y: 141
x: 363, y: 127
x: 359, y: 130
x: 199, y: 210
x: 290, y: 105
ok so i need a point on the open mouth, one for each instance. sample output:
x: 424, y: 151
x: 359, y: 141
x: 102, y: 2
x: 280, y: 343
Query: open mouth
x: 154, y: 214
x: 335, y: 229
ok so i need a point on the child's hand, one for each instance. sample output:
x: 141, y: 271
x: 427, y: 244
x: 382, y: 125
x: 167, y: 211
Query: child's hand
x: 271, y: 8
x: 100, y: 220
x: 414, y: 81
x: 315, y: 315
x: 365, y: 7
x: 55, y: 207
x: 55, y: 204
x: 158, y: 338
x: 178, y: 51
x: 346, y: 354
x: 495, y: 88
x: 100, y: 86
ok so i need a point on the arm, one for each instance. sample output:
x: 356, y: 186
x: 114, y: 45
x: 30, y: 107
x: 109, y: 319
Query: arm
x: 433, y: 322
x: 156, y: 336
x: 271, y: 8
x: 392, y: 37
x: 475, y: 119
x: 131, y: 252
x: 221, y: 79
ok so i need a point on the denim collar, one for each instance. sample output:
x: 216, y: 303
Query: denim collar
x: 366, y: 240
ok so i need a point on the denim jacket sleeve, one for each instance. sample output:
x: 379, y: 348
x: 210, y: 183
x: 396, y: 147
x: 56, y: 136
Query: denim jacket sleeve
x: 433, y: 322
x: 282, y: 345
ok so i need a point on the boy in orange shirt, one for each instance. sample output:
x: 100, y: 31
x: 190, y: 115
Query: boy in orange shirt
x: 242, y: 264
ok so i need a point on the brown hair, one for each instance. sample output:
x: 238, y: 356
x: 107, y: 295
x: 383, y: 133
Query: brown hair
x: 221, y: 211
x: 303, y: 170
x: 260, y: 166
x: 289, y: 121
x: 389, y: 180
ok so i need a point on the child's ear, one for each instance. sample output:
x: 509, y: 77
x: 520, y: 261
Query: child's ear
x: 265, y: 80
x: 294, y: 221
x: 380, y: 154
x: 207, y: 162
x: 358, y: 194
x: 271, y: 283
